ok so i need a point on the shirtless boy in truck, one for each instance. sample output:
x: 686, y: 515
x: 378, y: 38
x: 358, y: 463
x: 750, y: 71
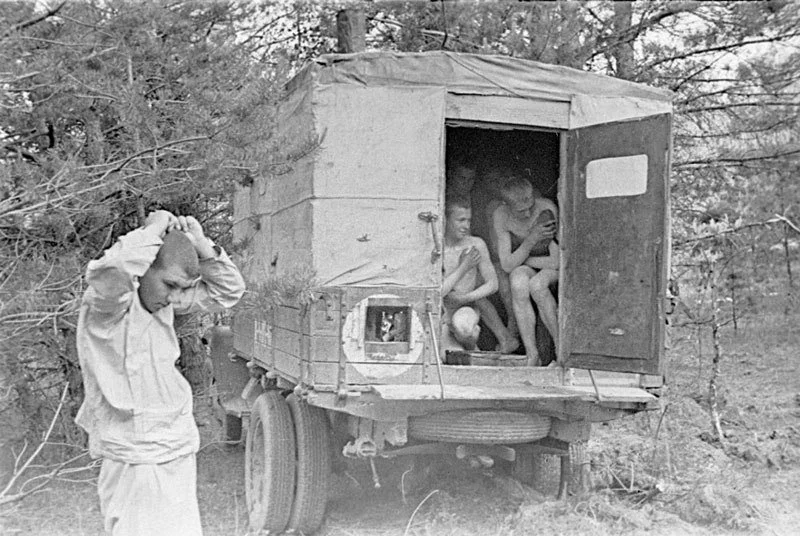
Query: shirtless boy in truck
x: 465, y: 258
x: 523, y: 228
x: 460, y: 182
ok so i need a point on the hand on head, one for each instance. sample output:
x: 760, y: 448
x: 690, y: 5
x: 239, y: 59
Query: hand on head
x: 164, y: 222
x: 161, y: 220
x: 192, y: 228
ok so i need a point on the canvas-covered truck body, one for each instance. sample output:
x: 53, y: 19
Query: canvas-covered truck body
x: 345, y: 237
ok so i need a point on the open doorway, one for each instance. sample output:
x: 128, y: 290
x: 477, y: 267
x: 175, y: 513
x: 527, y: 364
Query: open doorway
x: 492, y: 151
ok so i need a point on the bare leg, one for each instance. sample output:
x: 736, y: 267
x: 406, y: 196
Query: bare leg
x: 523, y: 311
x: 507, y: 343
x: 504, y: 288
x: 540, y: 292
x: 448, y: 340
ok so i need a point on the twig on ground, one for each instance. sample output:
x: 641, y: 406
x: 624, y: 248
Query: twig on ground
x: 633, y: 477
x: 5, y: 496
x: 713, y: 391
x: 354, y: 479
x: 410, y: 519
x: 403, y: 484
x: 655, y: 436
x: 788, y: 222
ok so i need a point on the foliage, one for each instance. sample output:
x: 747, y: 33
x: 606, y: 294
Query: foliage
x: 109, y: 111
x: 295, y: 288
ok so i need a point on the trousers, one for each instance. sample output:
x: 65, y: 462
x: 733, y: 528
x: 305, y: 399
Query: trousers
x: 150, y: 499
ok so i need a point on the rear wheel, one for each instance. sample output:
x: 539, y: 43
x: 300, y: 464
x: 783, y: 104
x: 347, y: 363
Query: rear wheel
x: 270, y: 464
x: 233, y: 430
x: 552, y: 474
x: 541, y: 471
x: 313, y: 442
x: 577, y: 480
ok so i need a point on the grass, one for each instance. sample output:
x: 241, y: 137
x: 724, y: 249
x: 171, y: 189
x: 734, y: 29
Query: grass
x: 651, y: 474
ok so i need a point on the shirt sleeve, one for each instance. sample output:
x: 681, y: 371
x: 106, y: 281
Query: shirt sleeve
x: 111, y: 279
x: 220, y: 287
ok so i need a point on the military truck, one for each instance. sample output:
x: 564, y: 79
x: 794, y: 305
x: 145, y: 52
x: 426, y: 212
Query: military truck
x: 345, y: 233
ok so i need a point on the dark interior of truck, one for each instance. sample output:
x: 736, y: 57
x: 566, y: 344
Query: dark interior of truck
x: 533, y: 154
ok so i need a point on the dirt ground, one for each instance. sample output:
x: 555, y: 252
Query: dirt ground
x: 651, y: 474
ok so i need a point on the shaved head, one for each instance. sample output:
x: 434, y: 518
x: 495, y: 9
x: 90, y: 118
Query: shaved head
x: 454, y: 201
x: 516, y: 187
x: 178, y: 250
x: 174, y: 270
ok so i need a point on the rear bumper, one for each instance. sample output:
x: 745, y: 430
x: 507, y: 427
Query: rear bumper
x: 583, y: 393
x: 567, y: 402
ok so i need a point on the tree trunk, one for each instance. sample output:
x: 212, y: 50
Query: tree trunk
x: 193, y: 362
x: 351, y: 30
x: 787, y: 258
x: 734, y: 279
x: 623, y: 51
x: 713, y: 392
x: 787, y: 253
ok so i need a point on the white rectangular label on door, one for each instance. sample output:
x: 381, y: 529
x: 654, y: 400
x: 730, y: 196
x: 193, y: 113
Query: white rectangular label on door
x: 616, y: 177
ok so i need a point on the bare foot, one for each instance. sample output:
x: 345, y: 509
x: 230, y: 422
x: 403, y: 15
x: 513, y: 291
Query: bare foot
x: 508, y: 346
x: 553, y: 364
x: 534, y: 361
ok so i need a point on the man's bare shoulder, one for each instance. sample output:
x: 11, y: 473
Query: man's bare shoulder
x: 476, y: 241
x: 500, y: 213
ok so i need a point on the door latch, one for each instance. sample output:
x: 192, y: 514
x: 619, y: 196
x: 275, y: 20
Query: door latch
x: 431, y: 218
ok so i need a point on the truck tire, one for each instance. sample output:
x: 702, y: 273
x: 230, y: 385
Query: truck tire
x: 233, y: 430
x: 480, y: 426
x: 578, y: 463
x: 270, y: 464
x: 546, y: 473
x: 313, y: 441
x: 551, y: 474
x: 538, y: 470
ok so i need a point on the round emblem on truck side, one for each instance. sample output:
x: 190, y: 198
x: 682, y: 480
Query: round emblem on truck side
x: 383, y: 336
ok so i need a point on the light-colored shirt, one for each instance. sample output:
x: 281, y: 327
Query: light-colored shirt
x: 137, y: 406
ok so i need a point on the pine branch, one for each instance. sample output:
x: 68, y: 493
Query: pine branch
x: 672, y: 9
x: 776, y: 219
x: 44, y: 16
x: 732, y: 105
x: 719, y: 48
x: 715, y: 160
x: 12, y: 207
x: 785, y: 122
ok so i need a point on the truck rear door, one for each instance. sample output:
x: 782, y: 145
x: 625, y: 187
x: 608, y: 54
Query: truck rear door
x: 615, y: 244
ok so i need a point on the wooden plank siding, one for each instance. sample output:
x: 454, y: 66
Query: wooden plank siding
x: 288, y: 338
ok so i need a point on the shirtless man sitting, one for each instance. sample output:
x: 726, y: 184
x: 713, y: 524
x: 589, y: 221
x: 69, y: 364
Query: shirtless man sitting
x: 465, y: 258
x: 460, y: 182
x: 523, y: 228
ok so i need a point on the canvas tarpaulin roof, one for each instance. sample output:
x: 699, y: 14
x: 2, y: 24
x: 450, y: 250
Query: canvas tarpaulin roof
x: 595, y: 98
